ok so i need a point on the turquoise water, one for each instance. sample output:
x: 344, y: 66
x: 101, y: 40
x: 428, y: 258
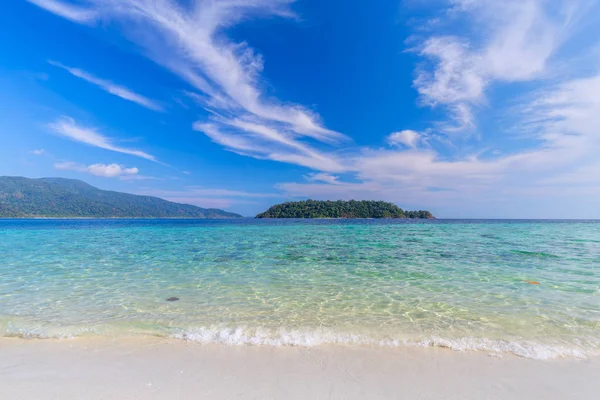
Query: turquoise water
x: 457, y: 284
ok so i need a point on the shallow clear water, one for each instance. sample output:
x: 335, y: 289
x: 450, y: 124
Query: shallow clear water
x: 458, y: 284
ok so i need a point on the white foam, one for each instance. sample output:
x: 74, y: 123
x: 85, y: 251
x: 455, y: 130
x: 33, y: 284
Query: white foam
x: 239, y: 336
x: 526, y: 349
x: 266, y: 337
x: 308, y: 338
x: 38, y: 332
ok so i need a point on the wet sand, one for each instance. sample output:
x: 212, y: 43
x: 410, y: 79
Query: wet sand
x: 101, y: 368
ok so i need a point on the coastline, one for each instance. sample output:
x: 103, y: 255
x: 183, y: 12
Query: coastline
x: 154, y: 368
x: 299, y: 310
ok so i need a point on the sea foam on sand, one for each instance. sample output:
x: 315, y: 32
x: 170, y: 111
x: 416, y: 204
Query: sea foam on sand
x: 319, y: 337
x: 283, y: 337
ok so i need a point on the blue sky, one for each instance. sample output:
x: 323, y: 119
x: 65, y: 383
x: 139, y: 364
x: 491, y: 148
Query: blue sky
x: 467, y: 108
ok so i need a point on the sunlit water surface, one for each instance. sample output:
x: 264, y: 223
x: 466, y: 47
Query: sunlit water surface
x: 457, y: 284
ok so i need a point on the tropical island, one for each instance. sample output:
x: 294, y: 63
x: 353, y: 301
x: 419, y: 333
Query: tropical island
x: 341, y: 209
x: 70, y: 198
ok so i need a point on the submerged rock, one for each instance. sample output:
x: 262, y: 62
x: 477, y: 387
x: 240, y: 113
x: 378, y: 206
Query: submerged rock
x: 173, y: 299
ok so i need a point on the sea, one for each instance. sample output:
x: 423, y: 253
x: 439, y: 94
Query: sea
x: 528, y: 288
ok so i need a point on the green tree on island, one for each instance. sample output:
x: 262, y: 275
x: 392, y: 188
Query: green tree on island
x: 341, y: 209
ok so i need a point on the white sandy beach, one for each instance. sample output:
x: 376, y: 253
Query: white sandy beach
x: 169, y: 369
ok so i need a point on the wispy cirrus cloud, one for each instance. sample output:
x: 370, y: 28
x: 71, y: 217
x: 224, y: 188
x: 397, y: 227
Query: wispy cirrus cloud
x: 188, y: 40
x: 556, y: 115
x: 69, y: 11
x: 209, y: 197
x: 264, y: 142
x: 201, y: 191
x: 68, y: 128
x: 110, y: 87
x: 514, y: 42
x: 323, y: 177
x: 38, y: 152
x: 561, y: 119
x: 103, y: 170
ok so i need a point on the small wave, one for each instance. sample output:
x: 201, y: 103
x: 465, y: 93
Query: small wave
x: 309, y: 338
x: 13, y: 331
x: 536, y: 351
x: 36, y: 334
x: 266, y: 337
x: 316, y: 337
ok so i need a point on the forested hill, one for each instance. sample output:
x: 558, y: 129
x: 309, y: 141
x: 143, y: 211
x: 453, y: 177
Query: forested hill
x: 64, y: 198
x: 341, y: 209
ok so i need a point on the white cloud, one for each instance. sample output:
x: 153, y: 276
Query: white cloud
x: 103, y: 170
x: 462, y: 118
x: 111, y: 170
x: 204, y: 202
x: 110, y: 87
x: 585, y: 176
x: 198, y: 191
x: 323, y: 177
x: 38, y: 152
x: 138, y: 177
x: 66, y: 10
x: 523, y: 39
x: 265, y: 142
x: 456, y: 82
x: 407, y: 138
x: 236, y: 143
x: 68, y: 128
x: 456, y: 77
x: 425, y: 168
x: 561, y: 122
x: 517, y: 38
x: 510, y: 42
x: 570, y: 107
x: 209, y: 197
x: 189, y: 41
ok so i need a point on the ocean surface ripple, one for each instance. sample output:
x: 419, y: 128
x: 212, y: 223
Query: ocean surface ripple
x: 530, y: 288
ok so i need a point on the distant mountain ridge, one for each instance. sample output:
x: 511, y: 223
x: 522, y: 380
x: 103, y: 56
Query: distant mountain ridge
x: 341, y: 209
x: 70, y: 198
